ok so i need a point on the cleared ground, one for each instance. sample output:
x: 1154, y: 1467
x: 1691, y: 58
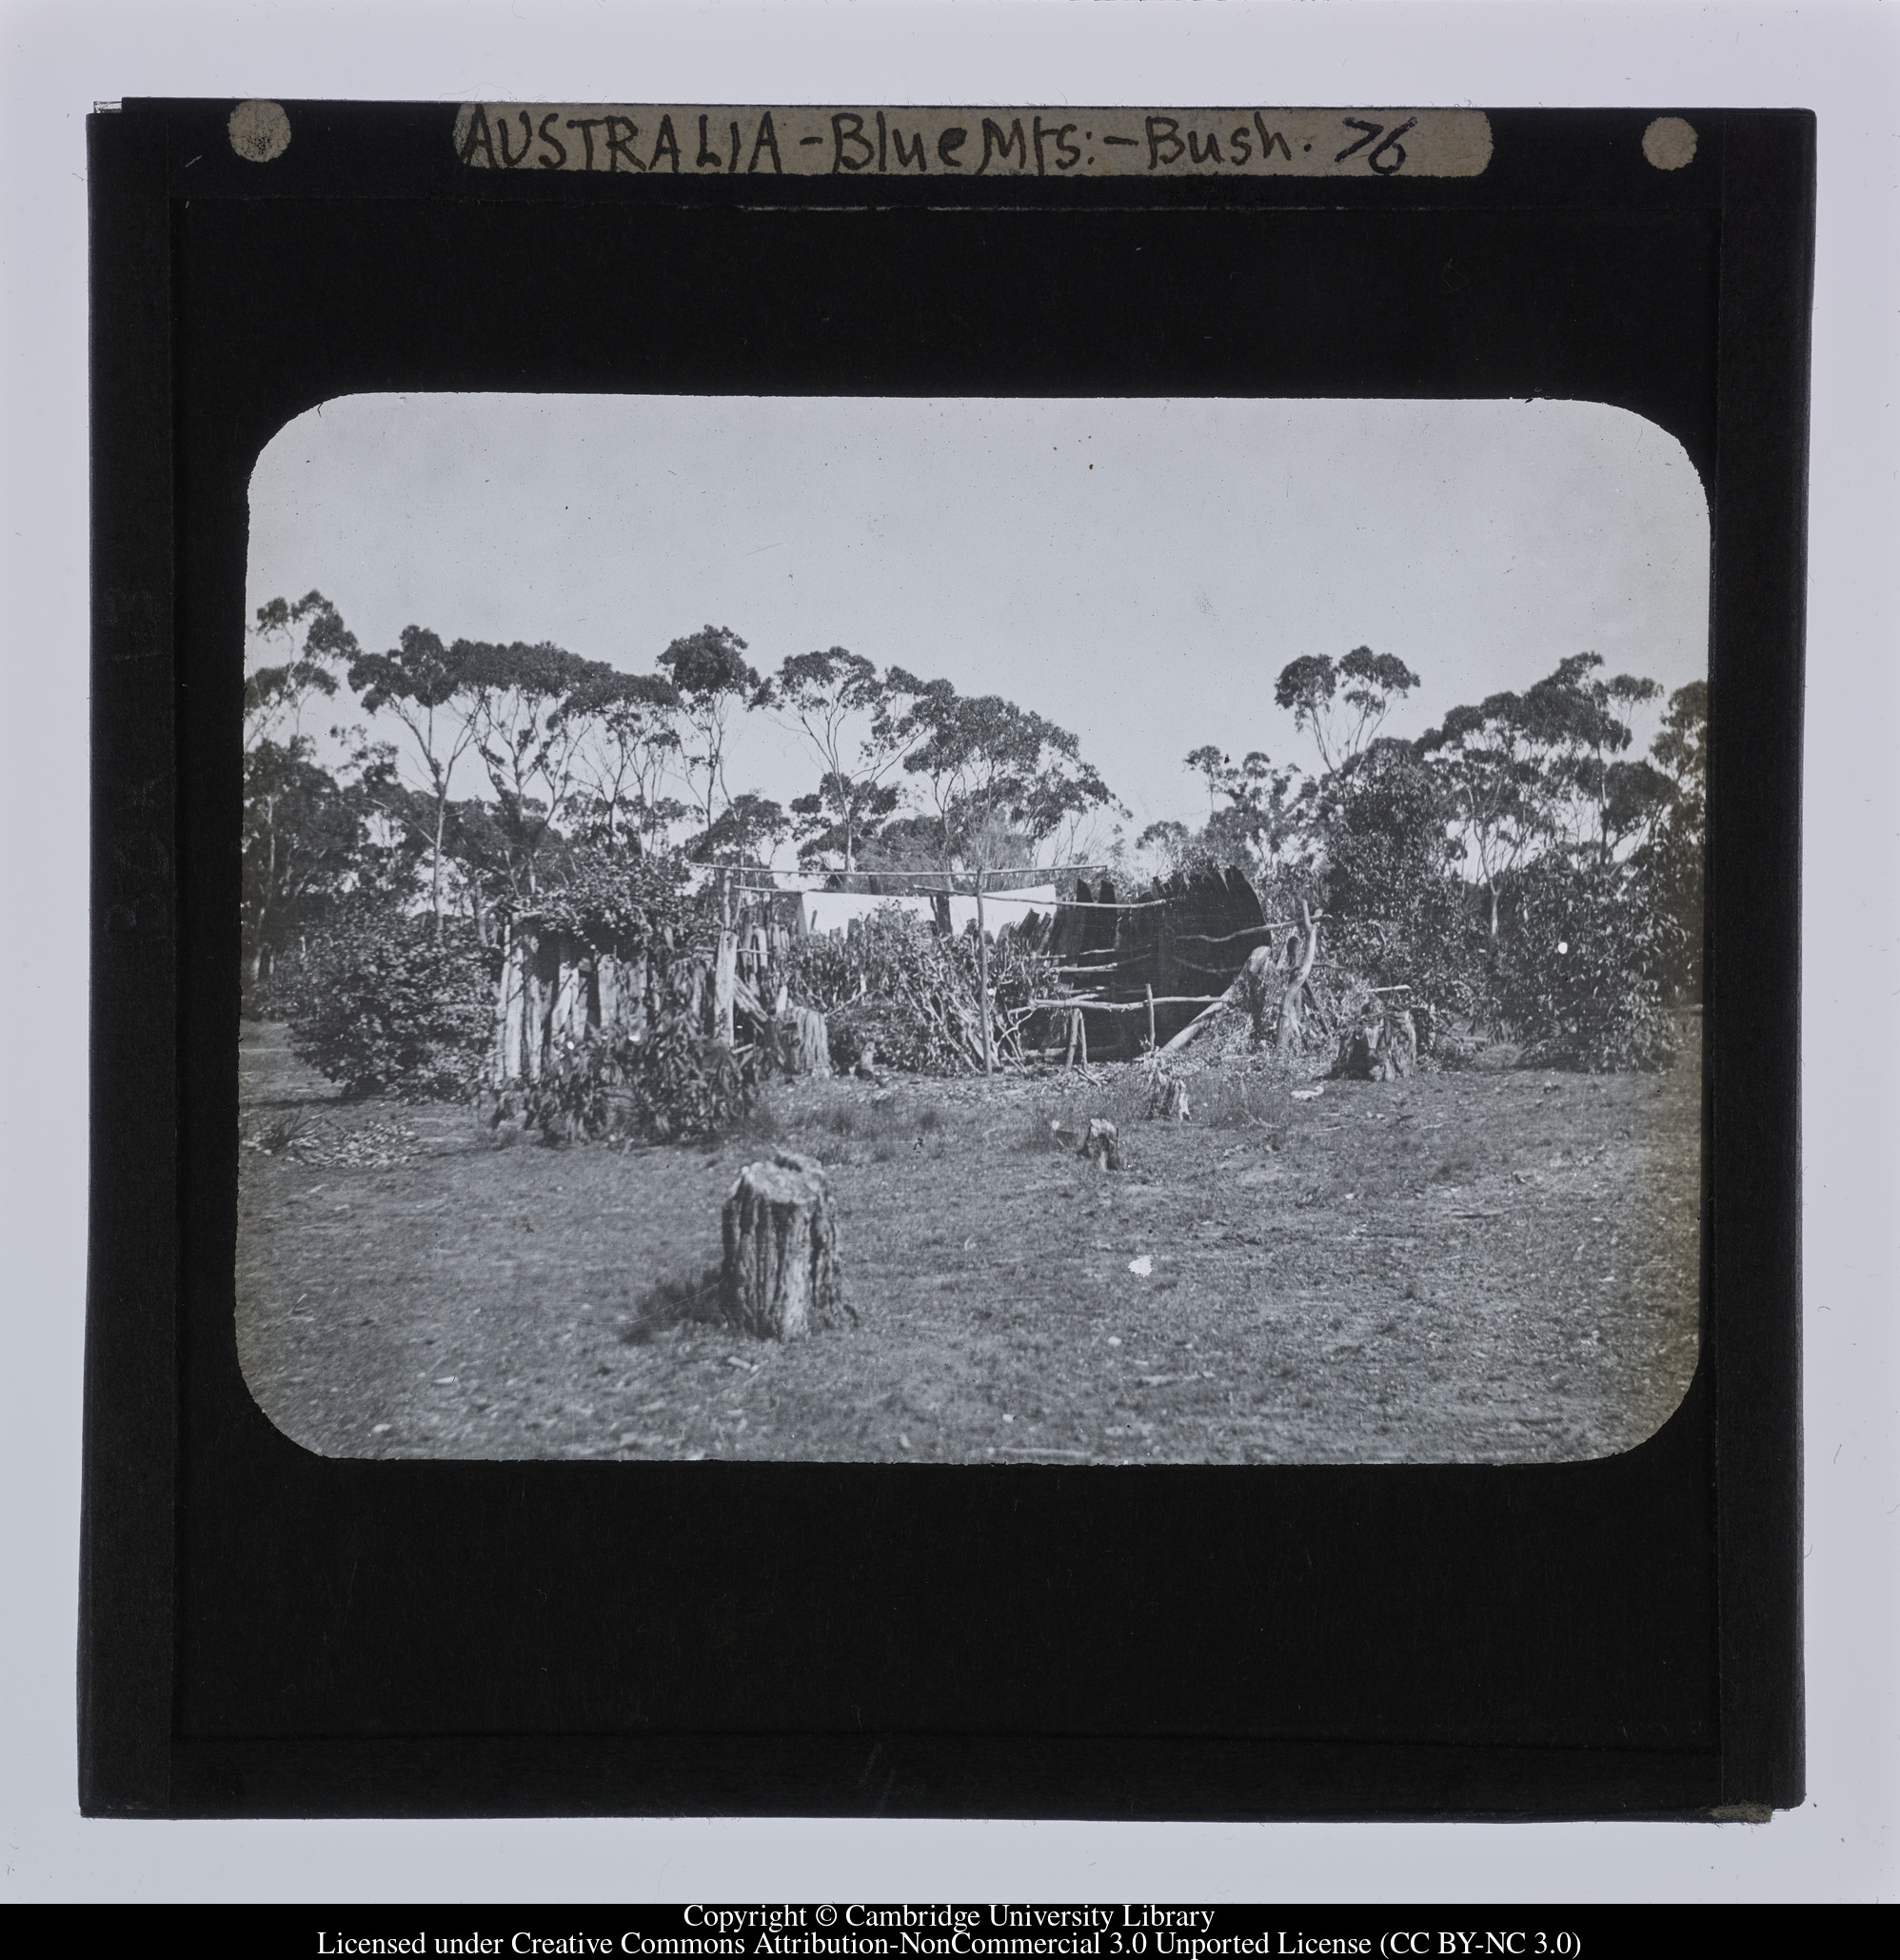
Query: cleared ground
x: 1477, y: 1266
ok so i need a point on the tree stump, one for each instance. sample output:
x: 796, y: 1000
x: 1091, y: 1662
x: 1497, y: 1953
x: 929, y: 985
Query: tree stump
x: 1167, y: 1097
x: 804, y: 1045
x: 1257, y: 990
x: 1379, y: 1051
x: 780, y: 1278
x: 1398, y: 1044
x: 1100, y: 1144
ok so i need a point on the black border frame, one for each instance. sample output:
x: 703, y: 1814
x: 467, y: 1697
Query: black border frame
x: 1733, y: 1453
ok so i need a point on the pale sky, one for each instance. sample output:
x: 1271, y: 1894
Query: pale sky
x: 1137, y: 570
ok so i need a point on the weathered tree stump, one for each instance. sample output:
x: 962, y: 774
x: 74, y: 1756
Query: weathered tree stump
x: 804, y: 1045
x: 1100, y: 1144
x: 1296, y: 992
x: 780, y: 1278
x: 1167, y: 1097
x: 1379, y: 1051
x: 1398, y: 1044
x: 1257, y: 990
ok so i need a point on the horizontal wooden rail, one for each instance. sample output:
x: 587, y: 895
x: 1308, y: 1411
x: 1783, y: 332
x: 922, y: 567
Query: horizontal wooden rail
x: 1133, y: 1006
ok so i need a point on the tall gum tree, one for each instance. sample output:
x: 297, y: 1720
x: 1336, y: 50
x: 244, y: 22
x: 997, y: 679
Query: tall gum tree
x: 311, y: 642
x: 714, y: 681
x: 1342, y: 705
x: 1495, y: 785
x: 426, y: 688
x: 1266, y: 810
x: 525, y: 740
x: 1572, y: 722
x: 297, y: 830
x: 629, y: 739
x: 843, y: 711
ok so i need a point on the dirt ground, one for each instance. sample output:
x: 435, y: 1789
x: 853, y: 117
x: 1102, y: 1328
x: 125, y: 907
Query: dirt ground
x: 1482, y: 1266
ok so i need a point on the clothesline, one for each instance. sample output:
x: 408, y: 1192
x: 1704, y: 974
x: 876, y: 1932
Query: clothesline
x: 988, y: 871
x: 1041, y: 899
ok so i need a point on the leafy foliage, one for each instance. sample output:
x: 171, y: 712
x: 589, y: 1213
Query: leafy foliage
x: 1580, y: 978
x: 619, y: 904
x: 674, y: 1083
x: 384, y: 1007
x: 851, y: 721
x: 994, y: 770
x: 304, y: 847
x: 1342, y: 705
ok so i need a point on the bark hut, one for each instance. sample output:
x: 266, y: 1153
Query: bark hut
x: 780, y: 1278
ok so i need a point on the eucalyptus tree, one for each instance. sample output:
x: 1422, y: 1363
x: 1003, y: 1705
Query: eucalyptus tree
x: 428, y: 691
x: 1671, y: 858
x: 629, y: 737
x: 311, y: 641
x: 1000, y: 778
x: 1572, y: 723
x: 851, y: 720
x: 1496, y: 788
x: 995, y: 769
x: 1342, y: 705
x: 299, y: 826
x: 713, y: 679
x: 743, y: 833
x: 527, y: 738
x: 1267, y: 808
x: 302, y: 846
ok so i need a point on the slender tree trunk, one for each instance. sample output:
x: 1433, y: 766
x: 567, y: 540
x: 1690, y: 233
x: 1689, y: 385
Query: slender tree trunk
x: 435, y: 866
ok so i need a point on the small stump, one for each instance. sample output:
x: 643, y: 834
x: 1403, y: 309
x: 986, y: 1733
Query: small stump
x: 780, y: 1276
x: 1100, y: 1144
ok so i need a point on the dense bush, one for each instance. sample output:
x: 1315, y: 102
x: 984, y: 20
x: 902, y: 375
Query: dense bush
x: 379, y: 1005
x: 1580, y: 974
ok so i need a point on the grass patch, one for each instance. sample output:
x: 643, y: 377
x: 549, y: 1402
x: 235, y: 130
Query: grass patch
x: 277, y: 1134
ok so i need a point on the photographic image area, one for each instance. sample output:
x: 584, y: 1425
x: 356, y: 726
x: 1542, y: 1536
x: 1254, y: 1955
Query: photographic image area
x: 972, y: 930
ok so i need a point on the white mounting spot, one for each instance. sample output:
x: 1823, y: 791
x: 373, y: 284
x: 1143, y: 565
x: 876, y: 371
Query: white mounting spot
x: 1669, y: 143
x: 260, y: 132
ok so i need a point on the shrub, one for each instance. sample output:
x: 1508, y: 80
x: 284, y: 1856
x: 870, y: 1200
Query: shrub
x: 381, y: 1007
x: 1579, y: 980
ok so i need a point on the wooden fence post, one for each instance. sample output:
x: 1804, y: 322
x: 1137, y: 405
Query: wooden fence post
x: 725, y: 974
x: 984, y: 978
x: 1150, y: 993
